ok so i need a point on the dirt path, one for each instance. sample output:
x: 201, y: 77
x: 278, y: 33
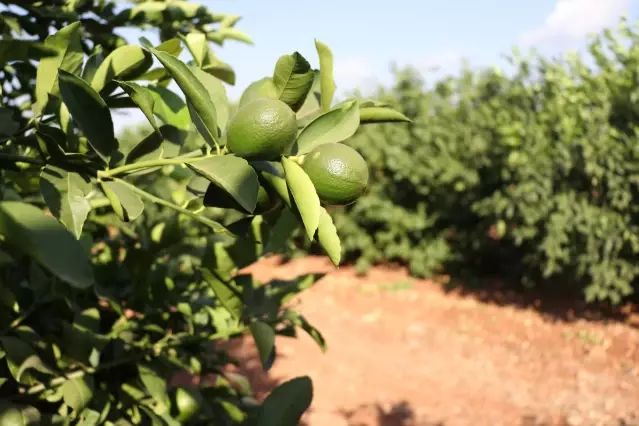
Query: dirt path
x: 403, y: 352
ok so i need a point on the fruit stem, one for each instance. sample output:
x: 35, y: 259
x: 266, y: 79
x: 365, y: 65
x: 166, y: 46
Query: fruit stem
x: 218, y: 228
x: 127, y: 168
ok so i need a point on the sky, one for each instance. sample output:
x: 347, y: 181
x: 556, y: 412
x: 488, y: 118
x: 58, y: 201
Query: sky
x: 367, y: 36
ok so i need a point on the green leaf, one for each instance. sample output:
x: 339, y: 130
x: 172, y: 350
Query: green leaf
x: 282, y: 232
x: 89, y: 418
x: 156, y: 420
x: 8, y: 125
x: 197, y: 45
x: 375, y: 114
x: 143, y: 99
x: 234, y: 175
x: 264, y: 337
x: 312, y: 104
x: 90, y: 112
x: 170, y: 107
x: 327, y: 81
x: 17, y: 352
x: 287, y: 403
x: 52, y: 140
x: 154, y: 383
x: 217, y: 92
x: 172, y: 46
x: 23, y: 50
x: 122, y: 61
x: 228, y: 295
x: 219, y: 69
x: 92, y: 65
x: 77, y: 393
x: 67, y: 43
x: 304, y: 195
x: 299, y: 321
x: 66, y: 194
x: 333, y: 126
x: 201, y: 107
x: 274, y: 177
x: 33, y: 362
x: 127, y: 204
x: 328, y: 238
x: 293, y: 78
x: 43, y: 238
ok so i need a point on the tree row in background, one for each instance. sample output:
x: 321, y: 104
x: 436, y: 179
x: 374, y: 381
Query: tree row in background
x: 531, y: 175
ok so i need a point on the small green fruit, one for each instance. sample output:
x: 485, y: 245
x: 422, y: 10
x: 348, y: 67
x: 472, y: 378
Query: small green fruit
x: 338, y: 172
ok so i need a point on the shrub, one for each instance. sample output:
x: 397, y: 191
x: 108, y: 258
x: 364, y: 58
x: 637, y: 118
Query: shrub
x: 532, y: 172
x: 116, y: 269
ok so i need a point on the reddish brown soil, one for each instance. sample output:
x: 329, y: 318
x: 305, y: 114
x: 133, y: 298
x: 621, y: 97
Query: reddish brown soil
x: 405, y: 352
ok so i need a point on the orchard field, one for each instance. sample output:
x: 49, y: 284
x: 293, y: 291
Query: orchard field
x: 462, y: 252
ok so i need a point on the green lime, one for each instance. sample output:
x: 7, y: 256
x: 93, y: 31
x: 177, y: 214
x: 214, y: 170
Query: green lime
x: 10, y: 415
x: 263, y: 129
x: 338, y: 172
x: 188, y: 404
x: 263, y: 88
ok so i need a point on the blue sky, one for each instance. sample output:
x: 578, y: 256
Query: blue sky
x: 366, y: 36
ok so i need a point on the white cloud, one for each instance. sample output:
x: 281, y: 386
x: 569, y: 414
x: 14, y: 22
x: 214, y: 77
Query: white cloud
x: 574, y: 19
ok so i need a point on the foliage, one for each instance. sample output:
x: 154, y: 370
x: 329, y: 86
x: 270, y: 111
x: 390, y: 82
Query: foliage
x: 117, y: 271
x: 531, y: 172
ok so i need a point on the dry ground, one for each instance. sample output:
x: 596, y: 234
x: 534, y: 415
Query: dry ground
x: 405, y: 352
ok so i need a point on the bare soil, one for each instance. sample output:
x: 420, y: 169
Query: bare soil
x: 403, y: 351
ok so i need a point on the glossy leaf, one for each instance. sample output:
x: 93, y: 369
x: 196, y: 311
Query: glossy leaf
x: 219, y: 69
x: 17, y: 352
x: 77, y: 393
x: 304, y: 195
x: 300, y: 321
x: 170, y: 107
x: 66, y: 194
x: 293, y: 78
x: 197, y: 45
x: 312, y: 104
x: 172, y: 46
x: 233, y: 174
x: 228, y: 295
x: 217, y: 92
x: 154, y: 383
x: 90, y: 112
x: 333, y: 126
x: 42, y: 237
x: 69, y: 58
x: 24, y: 50
x: 273, y: 174
x: 143, y: 99
x: 375, y: 114
x: 201, y: 107
x: 264, y: 337
x: 328, y: 238
x: 286, y: 404
x: 327, y: 81
x: 282, y: 231
x: 126, y: 203
x: 92, y: 65
x: 119, y: 63
x: 33, y: 362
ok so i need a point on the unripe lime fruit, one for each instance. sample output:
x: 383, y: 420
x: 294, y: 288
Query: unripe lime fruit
x: 338, y: 172
x: 187, y: 403
x: 263, y: 129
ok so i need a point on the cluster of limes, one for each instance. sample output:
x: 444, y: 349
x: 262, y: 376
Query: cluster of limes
x: 266, y: 129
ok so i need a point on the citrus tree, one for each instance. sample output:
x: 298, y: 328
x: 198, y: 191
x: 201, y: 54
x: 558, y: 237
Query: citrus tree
x: 122, y: 260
